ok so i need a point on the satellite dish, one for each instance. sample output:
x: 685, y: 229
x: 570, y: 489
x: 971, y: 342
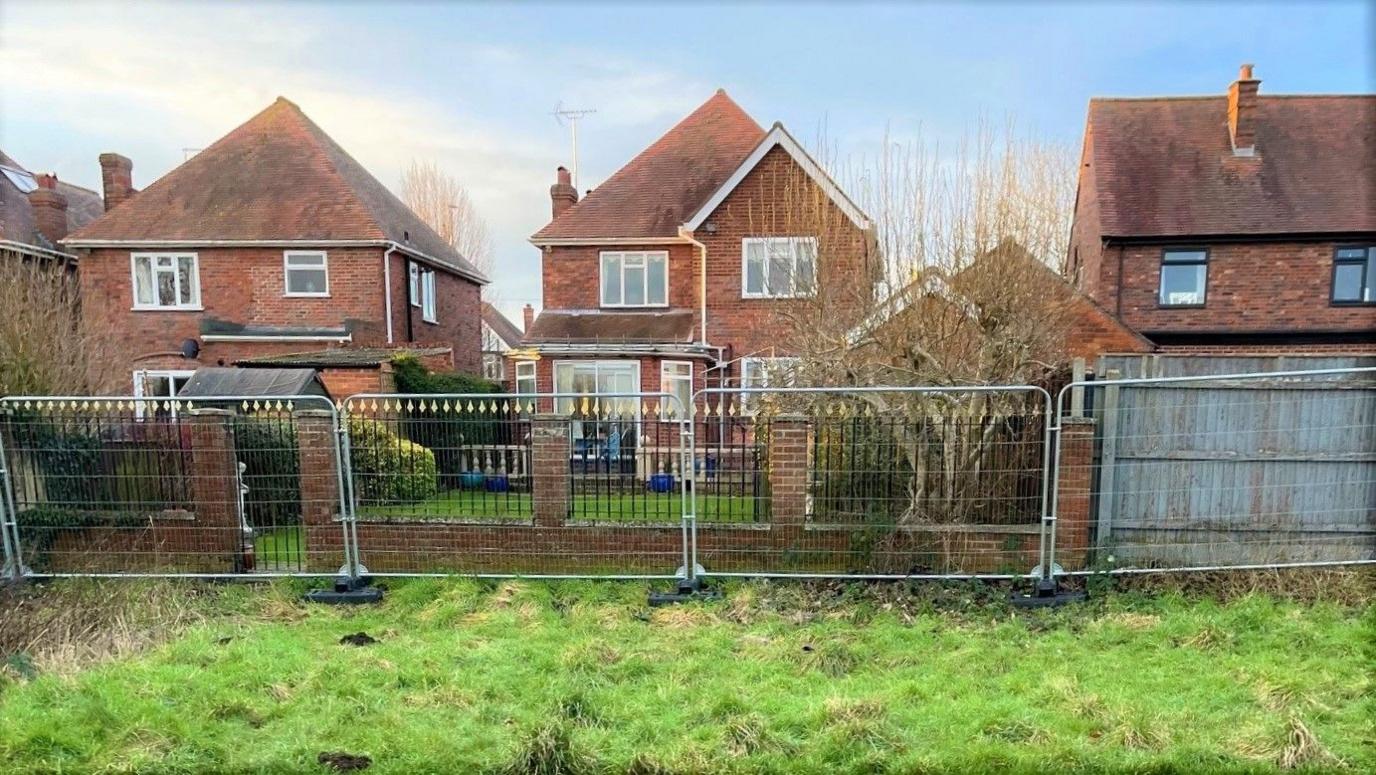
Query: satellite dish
x: 190, y: 349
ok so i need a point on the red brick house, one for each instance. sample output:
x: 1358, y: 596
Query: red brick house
x: 272, y: 241
x: 1236, y: 223
x: 673, y: 273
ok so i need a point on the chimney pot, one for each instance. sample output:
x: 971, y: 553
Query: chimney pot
x: 1242, y: 112
x: 527, y: 318
x: 562, y: 194
x: 117, y: 179
x: 49, y: 208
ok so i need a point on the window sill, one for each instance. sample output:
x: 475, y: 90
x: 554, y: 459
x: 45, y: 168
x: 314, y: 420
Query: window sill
x: 1332, y: 303
x: 1180, y: 306
x: 305, y: 295
x: 633, y: 306
x: 137, y: 308
x: 430, y: 322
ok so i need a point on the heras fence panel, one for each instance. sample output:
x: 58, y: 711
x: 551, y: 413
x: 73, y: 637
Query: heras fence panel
x: 518, y: 484
x: 216, y: 486
x: 875, y: 482
x: 1231, y: 471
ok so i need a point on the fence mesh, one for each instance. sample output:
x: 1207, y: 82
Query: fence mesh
x: 1233, y: 471
x: 166, y: 486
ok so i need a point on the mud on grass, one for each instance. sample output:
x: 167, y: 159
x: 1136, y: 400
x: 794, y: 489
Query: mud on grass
x: 581, y: 677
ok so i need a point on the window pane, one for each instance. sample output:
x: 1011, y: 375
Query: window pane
x: 1182, y: 284
x: 805, y: 266
x: 754, y: 267
x: 657, y: 288
x: 167, y: 288
x: 1177, y: 256
x: 187, y: 280
x: 306, y: 259
x: 611, y: 280
x: 780, y: 268
x: 635, y: 285
x: 306, y: 281
x: 143, y: 280
x: 1347, y: 282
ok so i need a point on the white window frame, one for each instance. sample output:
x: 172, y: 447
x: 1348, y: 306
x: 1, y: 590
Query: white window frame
x: 429, y: 302
x: 522, y: 367
x: 287, y: 256
x: 763, y: 364
x: 140, y: 375
x: 665, y: 378
x: 154, y: 270
x: 645, y: 257
x: 565, y: 405
x: 414, y: 272
x: 766, y: 242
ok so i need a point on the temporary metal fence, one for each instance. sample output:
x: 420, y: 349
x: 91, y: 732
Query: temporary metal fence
x: 1118, y: 476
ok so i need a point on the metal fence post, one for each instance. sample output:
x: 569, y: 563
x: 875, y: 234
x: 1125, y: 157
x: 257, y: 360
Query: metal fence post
x: 9, y: 523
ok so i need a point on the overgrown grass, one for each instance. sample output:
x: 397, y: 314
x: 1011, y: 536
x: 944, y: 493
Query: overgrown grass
x: 523, y: 677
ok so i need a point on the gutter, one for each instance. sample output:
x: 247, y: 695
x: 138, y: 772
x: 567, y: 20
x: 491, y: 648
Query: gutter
x: 34, y: 250
x: 270, y: 338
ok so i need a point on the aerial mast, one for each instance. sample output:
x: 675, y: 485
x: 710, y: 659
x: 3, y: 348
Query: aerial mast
x: 572, y: 116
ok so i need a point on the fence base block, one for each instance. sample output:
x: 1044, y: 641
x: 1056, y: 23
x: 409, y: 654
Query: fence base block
x: 347, y: 591
x: 1046, y: 594
x: 686, y: 591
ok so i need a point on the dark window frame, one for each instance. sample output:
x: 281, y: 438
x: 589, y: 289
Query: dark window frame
x: 1161, y: 271
x: 1365, y: 263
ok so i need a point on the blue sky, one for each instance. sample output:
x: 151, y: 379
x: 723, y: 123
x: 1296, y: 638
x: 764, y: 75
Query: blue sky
x: 472, y: 86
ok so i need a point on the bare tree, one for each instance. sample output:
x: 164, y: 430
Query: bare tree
x: 443, y: 203
x: 44, y: 349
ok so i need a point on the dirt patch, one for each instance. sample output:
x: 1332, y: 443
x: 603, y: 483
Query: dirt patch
x: 357, y: 639
x: 344, y: 762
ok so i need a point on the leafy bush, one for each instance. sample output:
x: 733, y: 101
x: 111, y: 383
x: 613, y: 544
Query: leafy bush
x: 448, y: 437
x: 267, y: 447
x: 388, y: 468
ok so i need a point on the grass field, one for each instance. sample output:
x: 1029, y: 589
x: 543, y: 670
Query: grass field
x: 601, y: 507
x: 524, y: 677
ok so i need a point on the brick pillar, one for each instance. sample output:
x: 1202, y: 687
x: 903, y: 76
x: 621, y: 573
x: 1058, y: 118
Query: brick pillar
x: 790, y: 438
x: 216, y: 542
x: 1075, y: 456
x: 549, y: 474
x: 319, y: 483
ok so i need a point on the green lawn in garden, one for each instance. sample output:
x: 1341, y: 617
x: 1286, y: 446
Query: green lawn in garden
x: 600, y: 507
x: 582, y: 677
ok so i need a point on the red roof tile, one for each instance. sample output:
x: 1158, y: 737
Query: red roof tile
x: 662, y: 187
x: 1165, y: 167
x: 278, y: 176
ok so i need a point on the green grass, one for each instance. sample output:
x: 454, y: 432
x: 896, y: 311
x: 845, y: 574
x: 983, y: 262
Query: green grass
x: 601, y: 507
x: 582, y: 677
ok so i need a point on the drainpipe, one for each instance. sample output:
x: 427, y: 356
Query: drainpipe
x: 702, y: 282
x: 387, y: 285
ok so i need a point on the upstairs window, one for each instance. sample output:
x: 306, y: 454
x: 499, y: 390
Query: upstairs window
x: 1184, y: 277
x: 414, y: 271
x: 638, y: 279
x: 427, y: 296
x: 1354, y: 275
x: 166, y: 281
x: 778, y: 267
x: 307, y: 273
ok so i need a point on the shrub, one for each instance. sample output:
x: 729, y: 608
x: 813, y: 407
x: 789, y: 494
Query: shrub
x: 388, y: 468
x: 448, y: 438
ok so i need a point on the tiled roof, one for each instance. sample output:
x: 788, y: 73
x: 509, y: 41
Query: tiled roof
x: 508, y: 332
x: 335, y: 357
x: 674, y: 327
x: 278, y: 176
x: 1165, y: 166
x: 662, y: 187
x: 16, y: 214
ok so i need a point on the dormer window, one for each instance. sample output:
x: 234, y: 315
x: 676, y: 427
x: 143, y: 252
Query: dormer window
x: 635, y: 279
x: 778, y: 267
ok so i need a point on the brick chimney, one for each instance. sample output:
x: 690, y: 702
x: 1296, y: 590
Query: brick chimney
x: 562, y: 194
x: 49, y: 208
x: 117, y: 179
x: 1242, y: 112
x: 527, y: 318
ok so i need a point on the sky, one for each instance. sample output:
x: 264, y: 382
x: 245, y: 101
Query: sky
x: 473, y: 87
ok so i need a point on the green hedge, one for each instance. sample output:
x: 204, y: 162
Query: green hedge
x: 267, y: 447
x: 448, y: 435
x: 388, y: 468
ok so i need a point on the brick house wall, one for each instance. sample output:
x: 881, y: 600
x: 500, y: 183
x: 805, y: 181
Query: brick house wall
x: 247, y: 285
x: 1251, y: 287
x: 572, y: 275
x: 457, y: 313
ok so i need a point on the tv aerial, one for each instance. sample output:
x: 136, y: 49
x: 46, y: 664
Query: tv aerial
x: 571, y: 117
